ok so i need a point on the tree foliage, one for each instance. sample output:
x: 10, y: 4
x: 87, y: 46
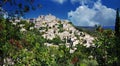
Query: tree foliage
x: 28, y: 49
x: 117, y: 24
x: 20, y: 6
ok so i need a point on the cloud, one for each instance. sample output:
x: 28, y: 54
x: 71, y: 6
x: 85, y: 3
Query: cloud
x: 89, y: 16
x: 59, y: 1
x: 82, y: 2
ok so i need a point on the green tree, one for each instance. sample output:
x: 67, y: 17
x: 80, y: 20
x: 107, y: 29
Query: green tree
x: 57, y: 40
x: 105, y: 48
x: 117, y: 37
x: 2, y: 38
x: 117, y: 24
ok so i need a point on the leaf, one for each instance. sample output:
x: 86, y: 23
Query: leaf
x: 0, y: 3
x: 33, y: 8
x: 5, y: 1
x: 16, y: 12
x: 10, y: 1
x: 20, y: 5
x: 31, y: 1
x: 14, y: 2
x: 39, y: 6
x: 26, y: 8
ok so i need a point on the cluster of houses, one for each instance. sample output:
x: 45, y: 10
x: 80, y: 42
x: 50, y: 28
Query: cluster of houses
x: 50, y: 27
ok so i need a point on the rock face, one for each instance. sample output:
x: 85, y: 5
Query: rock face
x: 50, y: 27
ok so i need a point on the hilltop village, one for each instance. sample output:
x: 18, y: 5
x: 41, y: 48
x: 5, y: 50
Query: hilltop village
x: 52, y: 28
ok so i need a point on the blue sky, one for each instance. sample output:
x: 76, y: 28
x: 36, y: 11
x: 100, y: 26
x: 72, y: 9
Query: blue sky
x: 56, y: 8
x: 80, y: 12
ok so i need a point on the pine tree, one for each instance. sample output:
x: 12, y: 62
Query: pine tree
x: 117, y: 34
x: 117, y: 24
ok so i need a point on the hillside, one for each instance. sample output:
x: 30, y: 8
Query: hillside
x: 47, y: 37
x: 52, y: 27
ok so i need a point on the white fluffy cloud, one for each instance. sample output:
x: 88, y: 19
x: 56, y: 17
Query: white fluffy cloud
x: 98, y: 14
x: 59, y: 1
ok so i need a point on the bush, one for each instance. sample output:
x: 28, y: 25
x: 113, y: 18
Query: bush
x: 57, y: 40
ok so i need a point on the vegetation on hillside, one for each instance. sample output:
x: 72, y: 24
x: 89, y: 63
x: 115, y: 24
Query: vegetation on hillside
x: 26, y: 48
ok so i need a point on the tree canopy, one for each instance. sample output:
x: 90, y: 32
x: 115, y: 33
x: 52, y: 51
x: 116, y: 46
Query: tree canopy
x: 117, y: 24
x: 20, y: 7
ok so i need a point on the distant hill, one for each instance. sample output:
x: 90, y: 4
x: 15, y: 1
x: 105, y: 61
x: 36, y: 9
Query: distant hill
x: 85, y: 28
x: 92, y: 28
x: 109, y: 27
